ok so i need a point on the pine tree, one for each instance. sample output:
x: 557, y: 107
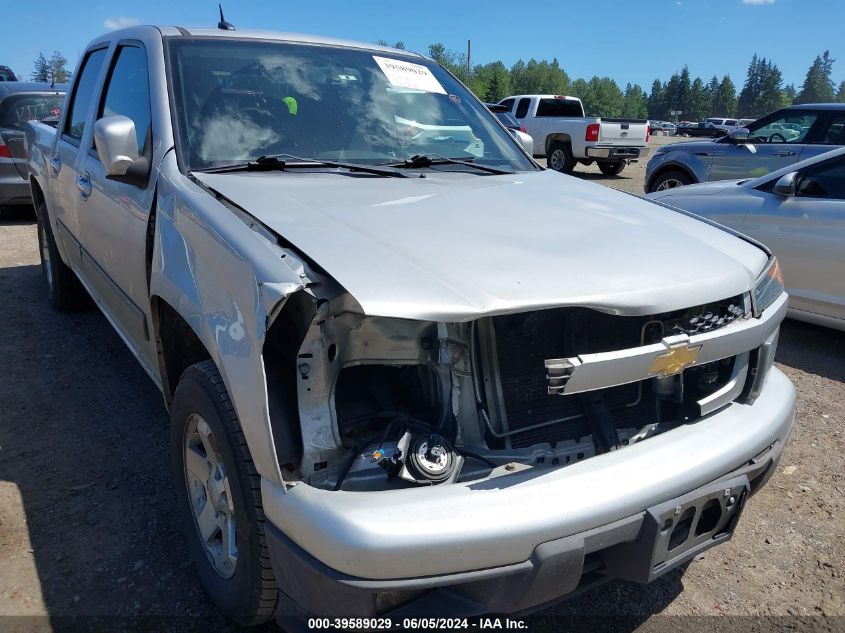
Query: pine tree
x: 750, y: 90
x: 710, y: 92
x: 602, y: 97
x: 58, y: 68
x: 818, y: 87
x: 671, y: 92
x: 682, y: 99
x: 656, y: 101
x: 42, y: 69
x: 635, y: 106
x: 770, y: 95
x: 789, y: 95
x: 840, y: 94
x: 698, y: 102
x: 724, y: 100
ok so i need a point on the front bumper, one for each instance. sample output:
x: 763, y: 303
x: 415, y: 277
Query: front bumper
x: 617, y: 153
x: 498, y: 533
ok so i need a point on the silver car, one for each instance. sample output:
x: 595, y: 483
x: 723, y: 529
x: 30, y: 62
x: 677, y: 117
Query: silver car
x: 799, y: 212
x: 21, y: 102
x: 766, y: 145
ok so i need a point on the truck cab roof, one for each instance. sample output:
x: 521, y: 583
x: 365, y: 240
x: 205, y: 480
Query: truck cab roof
x: 252, y: 34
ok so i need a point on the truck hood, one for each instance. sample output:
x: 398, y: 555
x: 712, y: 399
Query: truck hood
x: 456, y: 246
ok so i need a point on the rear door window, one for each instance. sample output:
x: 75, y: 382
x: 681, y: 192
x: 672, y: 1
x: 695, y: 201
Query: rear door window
x: 522, y: 108
x: 83, y: 95
x: 835, y: 132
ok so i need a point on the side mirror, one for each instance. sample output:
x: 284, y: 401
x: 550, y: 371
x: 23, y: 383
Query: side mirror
x: 787, y: 184
x: 739, y: 135
x: 117, y: 147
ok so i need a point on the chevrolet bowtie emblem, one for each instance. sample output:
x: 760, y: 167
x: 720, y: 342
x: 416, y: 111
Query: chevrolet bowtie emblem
x: 675, y: 360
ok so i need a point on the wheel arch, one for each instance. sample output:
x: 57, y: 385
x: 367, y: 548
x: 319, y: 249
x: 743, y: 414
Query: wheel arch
x: 557, y: 137
x: 178, y: 345
x: 671, y: 166
x: 36, y: 192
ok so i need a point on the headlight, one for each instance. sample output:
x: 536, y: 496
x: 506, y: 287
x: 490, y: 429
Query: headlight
x: 769, y: 287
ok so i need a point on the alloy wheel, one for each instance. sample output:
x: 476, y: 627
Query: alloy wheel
x: 210, y: 496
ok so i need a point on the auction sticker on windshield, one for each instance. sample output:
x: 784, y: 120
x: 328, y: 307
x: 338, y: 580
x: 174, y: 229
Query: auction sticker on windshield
x: 408, y: 75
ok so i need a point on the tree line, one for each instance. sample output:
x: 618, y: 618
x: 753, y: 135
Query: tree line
x: 694, y: 98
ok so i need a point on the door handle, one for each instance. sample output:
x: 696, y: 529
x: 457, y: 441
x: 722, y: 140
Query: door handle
x: 785, y: 153
x: 83, y: 183
x: 55, y: 165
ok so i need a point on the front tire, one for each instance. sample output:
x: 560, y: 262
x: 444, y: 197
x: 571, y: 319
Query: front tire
x: 561, y: 158
x: 669, y: 180
x: 66, y: 294
x: 612, y: 169
x: 219, y: 496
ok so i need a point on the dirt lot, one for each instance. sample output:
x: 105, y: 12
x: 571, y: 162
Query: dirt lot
x: 87, y: 507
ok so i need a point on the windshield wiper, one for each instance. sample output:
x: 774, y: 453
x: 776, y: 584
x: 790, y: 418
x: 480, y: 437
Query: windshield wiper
x: 421, y: 161
x: 282, y: 162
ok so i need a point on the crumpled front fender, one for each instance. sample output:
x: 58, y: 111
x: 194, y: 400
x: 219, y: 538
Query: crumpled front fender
x: 227, y: 282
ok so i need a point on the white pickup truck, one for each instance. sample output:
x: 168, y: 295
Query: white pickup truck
x: 565, y: 136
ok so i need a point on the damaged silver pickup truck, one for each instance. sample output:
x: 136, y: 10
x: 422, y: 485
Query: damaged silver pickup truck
x: 409, y: 371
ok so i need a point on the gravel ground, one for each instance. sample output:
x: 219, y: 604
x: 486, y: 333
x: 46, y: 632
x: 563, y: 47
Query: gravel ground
x: 87, y: 507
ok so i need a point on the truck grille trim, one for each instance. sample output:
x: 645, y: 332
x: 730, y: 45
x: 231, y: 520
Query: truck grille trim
x: 522, y: 343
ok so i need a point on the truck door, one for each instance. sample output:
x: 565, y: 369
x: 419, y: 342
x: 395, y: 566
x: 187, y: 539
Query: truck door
x: 114, y: 215
x: 66, y: 188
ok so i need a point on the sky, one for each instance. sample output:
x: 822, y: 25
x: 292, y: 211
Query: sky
x: 629, y: 40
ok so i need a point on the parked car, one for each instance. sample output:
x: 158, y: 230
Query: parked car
x: 799, y: 212
x: 665, y: 127
x: 705, y: 128
x: 519, y: 131
x: 744, y: 122
x: 21, y: 102
x: 402, y: 381
x: 6, y: 74
x: 723, y: 123
x: 566, y: 137
x: 779, y: 139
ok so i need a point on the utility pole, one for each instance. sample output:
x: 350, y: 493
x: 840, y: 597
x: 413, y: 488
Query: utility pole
x: 469, y: 60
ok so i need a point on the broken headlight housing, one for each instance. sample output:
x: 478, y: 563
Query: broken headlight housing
x: 769, y: 287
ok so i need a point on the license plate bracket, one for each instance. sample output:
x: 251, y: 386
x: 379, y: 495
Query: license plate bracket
x: 676, y: 531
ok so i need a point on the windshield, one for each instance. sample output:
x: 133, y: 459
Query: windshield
x: 236, y: 100
x: 15, y: 110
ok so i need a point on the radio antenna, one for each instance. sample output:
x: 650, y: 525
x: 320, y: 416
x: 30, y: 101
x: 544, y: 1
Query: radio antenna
x: 222, y: 24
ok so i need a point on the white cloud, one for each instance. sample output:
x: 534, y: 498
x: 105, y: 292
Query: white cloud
x: 758, y: 1
x: 120, y: 23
